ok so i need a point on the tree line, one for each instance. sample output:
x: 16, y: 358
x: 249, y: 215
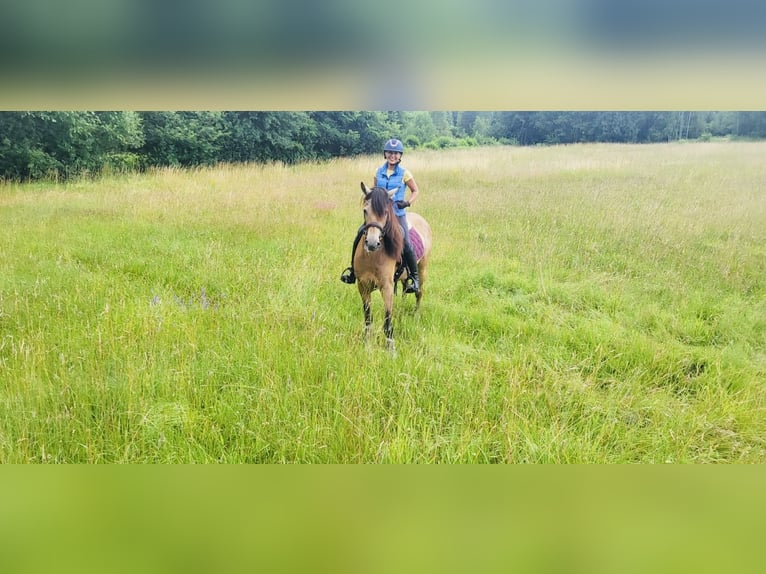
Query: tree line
x: 38, y: 145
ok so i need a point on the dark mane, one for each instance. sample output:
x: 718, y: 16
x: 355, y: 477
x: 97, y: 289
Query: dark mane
x: 379, y: 201
x: 381, y: 204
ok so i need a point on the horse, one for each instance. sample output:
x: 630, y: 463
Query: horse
x: 379, y: 252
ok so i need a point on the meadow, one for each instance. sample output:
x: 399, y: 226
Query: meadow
x: 584, y: 304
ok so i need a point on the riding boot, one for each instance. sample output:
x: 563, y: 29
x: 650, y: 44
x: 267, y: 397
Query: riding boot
x: 348, y: 273
x: 413, y: 281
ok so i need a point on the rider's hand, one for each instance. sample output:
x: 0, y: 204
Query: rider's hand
x: 402, y: 204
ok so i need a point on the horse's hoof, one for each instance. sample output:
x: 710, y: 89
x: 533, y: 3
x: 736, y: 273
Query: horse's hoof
x: 391, y: 346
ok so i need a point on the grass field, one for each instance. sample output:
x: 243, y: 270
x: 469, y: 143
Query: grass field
x: 585, y: 304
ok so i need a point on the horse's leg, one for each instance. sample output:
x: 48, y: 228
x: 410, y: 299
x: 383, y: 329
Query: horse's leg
x: 387, y: 291
x: 422, y: 267
x: 365, y: 294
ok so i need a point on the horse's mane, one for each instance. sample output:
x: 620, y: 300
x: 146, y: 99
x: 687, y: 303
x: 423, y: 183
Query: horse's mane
x: 381, y: 204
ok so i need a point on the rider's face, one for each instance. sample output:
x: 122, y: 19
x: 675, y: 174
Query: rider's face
x: 393, y: 156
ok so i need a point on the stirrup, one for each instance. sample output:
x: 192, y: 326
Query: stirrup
x: 410, y: 286
x: 348, y: 276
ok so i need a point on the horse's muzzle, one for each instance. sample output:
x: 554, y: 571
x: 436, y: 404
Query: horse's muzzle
x: 373, y: 237
x: 371, y: 245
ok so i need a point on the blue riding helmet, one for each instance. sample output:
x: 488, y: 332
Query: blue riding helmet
x: 394, y: 145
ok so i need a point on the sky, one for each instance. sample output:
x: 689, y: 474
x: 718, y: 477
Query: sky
x: 356, y: 54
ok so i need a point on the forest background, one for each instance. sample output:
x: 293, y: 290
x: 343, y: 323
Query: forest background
x: 57, y: 145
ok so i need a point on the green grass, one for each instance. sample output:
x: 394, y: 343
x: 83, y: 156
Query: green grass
x: 590, y: 303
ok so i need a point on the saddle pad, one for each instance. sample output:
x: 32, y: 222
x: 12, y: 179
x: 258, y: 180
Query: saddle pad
x: 417, y: 243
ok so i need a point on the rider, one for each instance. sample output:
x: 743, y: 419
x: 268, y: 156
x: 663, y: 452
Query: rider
x: 391, y: 175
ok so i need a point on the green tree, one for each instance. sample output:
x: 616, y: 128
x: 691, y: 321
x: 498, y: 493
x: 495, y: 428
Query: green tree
x: 751, y: 124
x: 464, y: 123
x: 21, y: 153
x: 182, y: 138
x: 417, y: 127
x: 36, y: 145
x: 351, y: 133
x: 268, y: 136
x: 443, y: 122
x: 481, y: 128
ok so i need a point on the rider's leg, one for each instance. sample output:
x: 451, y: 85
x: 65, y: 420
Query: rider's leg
x: 408, y: 256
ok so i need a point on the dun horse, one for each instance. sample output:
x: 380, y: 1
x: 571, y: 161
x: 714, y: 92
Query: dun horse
x: 377, y: 255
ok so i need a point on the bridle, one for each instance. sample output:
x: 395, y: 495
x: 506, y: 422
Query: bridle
x: 376, y: 225
x: 385, y: 215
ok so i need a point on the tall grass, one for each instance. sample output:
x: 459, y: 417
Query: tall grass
x: 589, y: 303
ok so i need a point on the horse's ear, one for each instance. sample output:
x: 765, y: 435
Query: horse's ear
x: 391, y: 192
x: 365, y: 191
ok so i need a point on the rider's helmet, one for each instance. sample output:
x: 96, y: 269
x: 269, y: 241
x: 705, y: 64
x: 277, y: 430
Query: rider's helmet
x: 393, y: 145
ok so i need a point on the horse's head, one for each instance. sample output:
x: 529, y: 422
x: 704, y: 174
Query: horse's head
x: 380, y: 225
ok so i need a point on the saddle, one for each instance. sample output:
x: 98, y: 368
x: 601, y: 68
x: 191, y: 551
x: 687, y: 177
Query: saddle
x: 417, y: 247
x: 417, y: 243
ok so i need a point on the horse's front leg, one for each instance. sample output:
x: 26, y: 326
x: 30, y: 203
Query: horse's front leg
x: 387, y: 291
x: 364, y: 292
